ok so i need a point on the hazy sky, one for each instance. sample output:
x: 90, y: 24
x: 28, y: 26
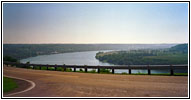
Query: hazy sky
x: 95, y: 22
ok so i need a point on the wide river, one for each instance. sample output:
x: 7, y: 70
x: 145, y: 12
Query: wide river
x: 79, y: 58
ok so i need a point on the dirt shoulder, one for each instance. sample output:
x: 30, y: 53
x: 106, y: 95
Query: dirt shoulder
x: 73, y: 84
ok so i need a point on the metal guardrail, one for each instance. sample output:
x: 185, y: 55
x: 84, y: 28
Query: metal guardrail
x: 128, y: 67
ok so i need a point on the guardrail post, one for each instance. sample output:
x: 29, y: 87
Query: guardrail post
x: 23, y: 66
x: 55, y: 67
x: 26, y: 66
x: 113, y: 70
x: 47, y: 67
x: 129, y: 69
x: 64, y: 69
x: 86, y: 69
x: 75, y: 69
x: 149, y: 71
x: 171, y: 70
x: 98, y: 70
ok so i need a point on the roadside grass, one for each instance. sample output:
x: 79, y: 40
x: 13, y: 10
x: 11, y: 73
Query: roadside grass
x: 50, y: 68
x: 92, y: 71
x: 160, y: 74
x: 8, y: 84
x: 180, y: 74
x: 139, y: 73
x: 81, y: 70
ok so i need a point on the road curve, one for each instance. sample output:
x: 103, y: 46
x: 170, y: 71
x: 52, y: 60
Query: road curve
x: 73, y: 84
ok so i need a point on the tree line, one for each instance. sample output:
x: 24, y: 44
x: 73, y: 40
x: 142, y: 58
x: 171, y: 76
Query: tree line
x: 175, y: 55
x: 21, y: 51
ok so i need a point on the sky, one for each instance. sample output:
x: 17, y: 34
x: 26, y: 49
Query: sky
x: 37, y: 23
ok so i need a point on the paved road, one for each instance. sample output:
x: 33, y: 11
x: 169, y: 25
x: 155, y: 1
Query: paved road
x: 73, y: 84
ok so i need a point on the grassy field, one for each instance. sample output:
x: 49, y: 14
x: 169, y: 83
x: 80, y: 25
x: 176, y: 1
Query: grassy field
x: 8, y: 84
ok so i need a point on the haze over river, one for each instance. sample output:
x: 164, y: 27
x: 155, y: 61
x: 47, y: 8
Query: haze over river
x: 80, y: 58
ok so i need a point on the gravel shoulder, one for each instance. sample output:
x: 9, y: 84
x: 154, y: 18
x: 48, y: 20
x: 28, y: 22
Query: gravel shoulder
x: 73, y: 84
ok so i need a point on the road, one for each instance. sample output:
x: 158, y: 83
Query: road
x: 73, y: 84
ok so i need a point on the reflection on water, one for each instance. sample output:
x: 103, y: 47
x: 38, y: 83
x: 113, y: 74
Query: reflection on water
x: 82, y: 58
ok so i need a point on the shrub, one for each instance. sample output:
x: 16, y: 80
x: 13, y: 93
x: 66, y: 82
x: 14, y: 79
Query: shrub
x: 68, y: 69
x: 81, y: 70
x: 103, y: 70
x: 93, y: 71
x: 60, y: 69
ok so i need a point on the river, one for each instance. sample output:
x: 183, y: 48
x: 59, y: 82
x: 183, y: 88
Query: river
x: 80, y: 58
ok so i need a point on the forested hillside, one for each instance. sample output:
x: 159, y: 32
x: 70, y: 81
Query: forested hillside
x: 180, y: 48
x: 20, y: 51
x: 174, y: 55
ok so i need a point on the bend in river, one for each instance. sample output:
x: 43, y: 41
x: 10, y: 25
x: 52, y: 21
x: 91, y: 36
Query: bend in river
x: 79, y: 58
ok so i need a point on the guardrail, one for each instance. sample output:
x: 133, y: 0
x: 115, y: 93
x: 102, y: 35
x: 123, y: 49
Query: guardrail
x: 128, y: 67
